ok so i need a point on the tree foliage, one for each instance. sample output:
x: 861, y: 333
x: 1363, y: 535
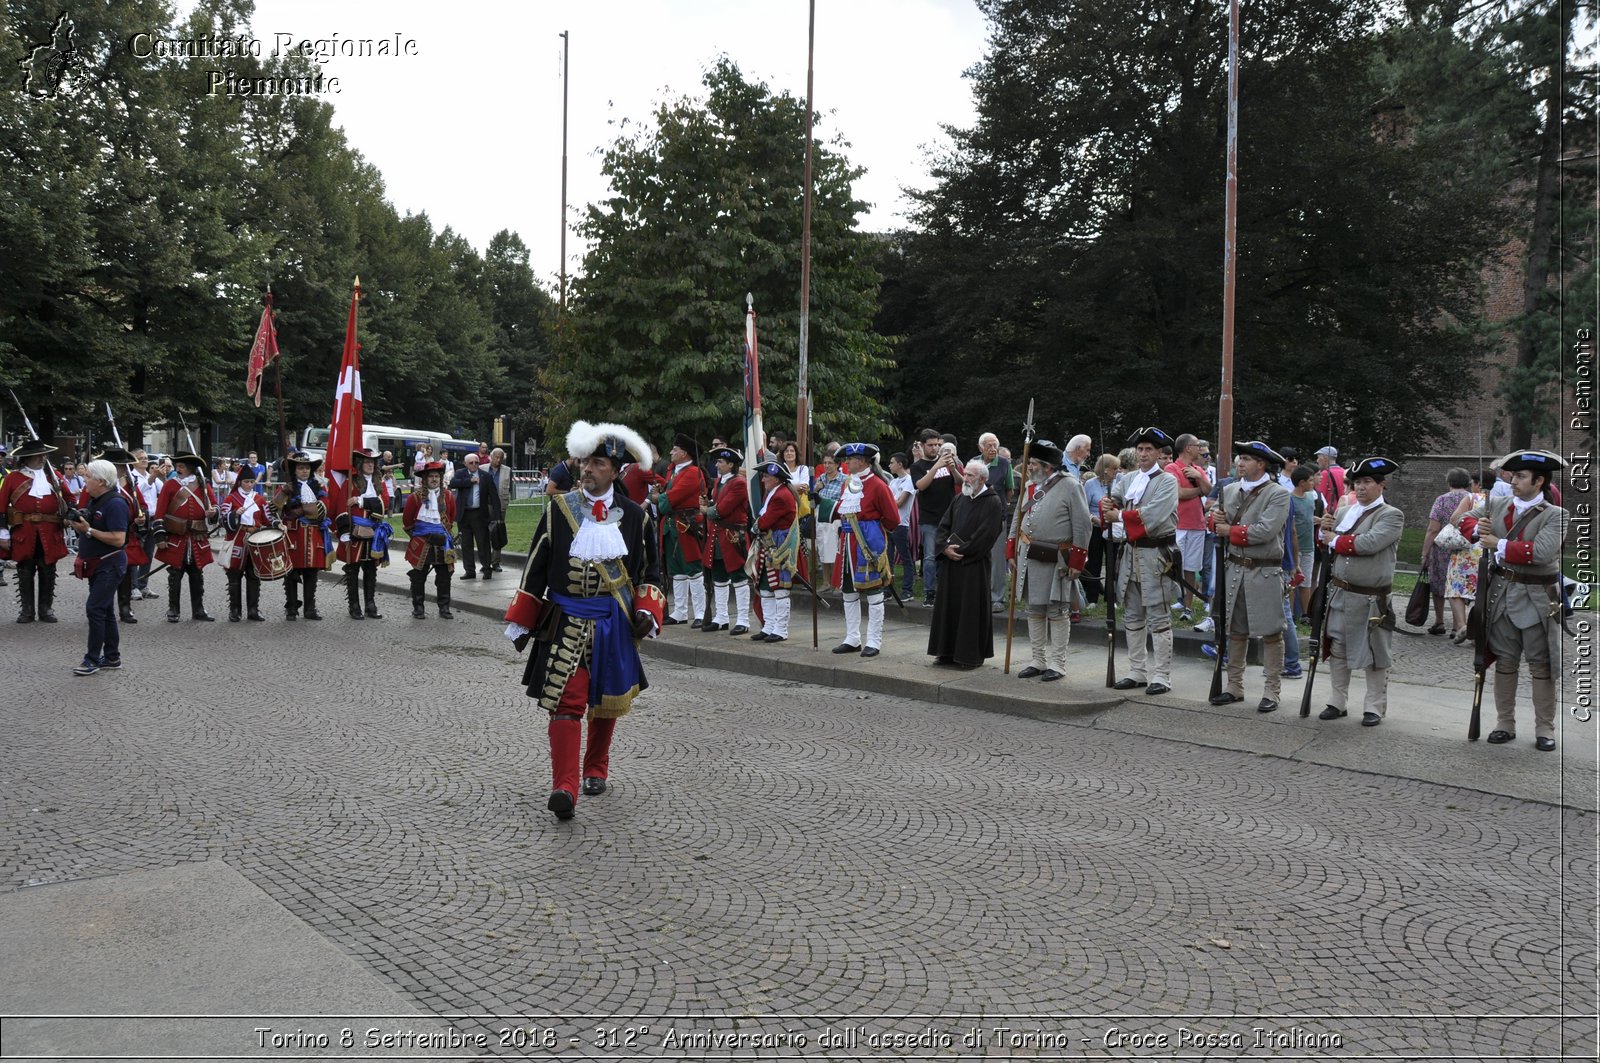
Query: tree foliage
x: 1072, y: 246
x: 141, y: 218
x: 705, y: 207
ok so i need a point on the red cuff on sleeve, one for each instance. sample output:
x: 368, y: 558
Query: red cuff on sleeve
x: 1011, y: 549
x: 1520, y: 552
x: 649, y: 599
x: 525, y: 610
x: 1239, y: 535
x: 1345, y: 544
x: 1133, y: 524
x: 1469, y: 527
x: 1077, y: 559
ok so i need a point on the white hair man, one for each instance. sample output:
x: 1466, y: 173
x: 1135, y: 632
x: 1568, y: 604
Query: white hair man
x: 102, y: 529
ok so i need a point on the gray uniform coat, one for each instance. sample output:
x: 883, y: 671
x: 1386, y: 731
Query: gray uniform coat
x: 1060, y: 514
x: 1525, y: 605
x: 1354, y: 619
x: 1256, y: 593
x: 1145, y: 568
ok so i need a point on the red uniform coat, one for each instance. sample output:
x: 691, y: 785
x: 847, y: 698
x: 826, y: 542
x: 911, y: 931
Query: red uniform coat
x: 343, y: 496
x: 237, y: 557
x: 417, y: 551
x: 189, y: 503
x: 685, y: 525
x: 35, y: 523
x: 636, y: 481
x: 877, y: 506
x: 303, y: 524
x: 730, y: 525
x: 134, y: 547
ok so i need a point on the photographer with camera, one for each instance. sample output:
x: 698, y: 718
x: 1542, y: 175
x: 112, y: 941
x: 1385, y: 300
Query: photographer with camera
x: 102, y: 535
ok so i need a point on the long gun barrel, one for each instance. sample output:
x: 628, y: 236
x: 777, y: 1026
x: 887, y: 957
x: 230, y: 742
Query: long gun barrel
x: 1319, y: 627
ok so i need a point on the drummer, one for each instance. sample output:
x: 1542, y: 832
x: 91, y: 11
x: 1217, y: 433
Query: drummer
x: 244, y: 512
x: 362, y: 508
x: 301, y: 503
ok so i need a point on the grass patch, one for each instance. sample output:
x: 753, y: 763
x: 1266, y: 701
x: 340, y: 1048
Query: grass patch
x: 521, y: 521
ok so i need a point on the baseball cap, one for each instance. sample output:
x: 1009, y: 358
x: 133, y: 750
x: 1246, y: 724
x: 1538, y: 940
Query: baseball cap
x: 1328, y: 452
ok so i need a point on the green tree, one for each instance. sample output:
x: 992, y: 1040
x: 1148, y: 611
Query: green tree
x: 705, y: 207
x: 1073, y: 242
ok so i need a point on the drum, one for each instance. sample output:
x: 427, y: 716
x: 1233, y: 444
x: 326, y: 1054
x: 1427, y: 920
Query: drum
x: 269, y: 552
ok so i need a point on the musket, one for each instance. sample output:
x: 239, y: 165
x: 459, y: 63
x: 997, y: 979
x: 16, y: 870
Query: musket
x: 116, y: 435
x: 1016, y: 535
x: 1319, y: 626
x: 55, y: 487
x: 1482, y: 655
x: 766, y: 541
x: 1110, y: 591
x: 1219, y: 610
x: 188, y: 435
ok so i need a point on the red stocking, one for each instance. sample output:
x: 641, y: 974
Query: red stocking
x: 597, y: 757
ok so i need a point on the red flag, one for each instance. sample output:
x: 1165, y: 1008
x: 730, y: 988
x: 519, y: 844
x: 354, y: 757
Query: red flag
x: 262, y: 351
x: 344, y: 435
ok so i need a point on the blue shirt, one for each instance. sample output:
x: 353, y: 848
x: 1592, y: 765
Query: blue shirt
x: 108, y: 513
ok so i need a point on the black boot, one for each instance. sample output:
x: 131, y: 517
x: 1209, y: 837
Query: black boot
x: 369, y: 589
x: 125, y: 600
x: 174, y: 589
x: 291, y: 590
x: 311, y: 575
x: 197, y: 596
x: 441, y: 587
x: 25, y: 586
x: 419, y: 592
x: 352, y: 591
x: 252, y: 598
x: 235, y: 595
x: 47, y: 593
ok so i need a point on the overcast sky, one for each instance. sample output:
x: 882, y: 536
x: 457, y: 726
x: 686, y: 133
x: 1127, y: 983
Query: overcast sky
x: 468, y: 130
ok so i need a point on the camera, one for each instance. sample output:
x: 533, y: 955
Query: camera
x: 74, y: 515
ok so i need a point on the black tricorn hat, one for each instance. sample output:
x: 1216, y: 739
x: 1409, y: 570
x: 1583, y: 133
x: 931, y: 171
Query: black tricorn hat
x: 194, y: 461
x: 116, y: 456
x: 1045, y: 451
x: 299, y: 457
x: 1152, y: 435
x: 727, y: 454
x: 1541, y: 461
x: 775, y: 470
x: 1375, y: 467
x: 1254, y: 448
x: 246, y: 471
x: 687, y: 445
x: 33, y: 448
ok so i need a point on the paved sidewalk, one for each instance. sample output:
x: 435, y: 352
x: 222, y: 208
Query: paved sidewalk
x: 1423, y: 737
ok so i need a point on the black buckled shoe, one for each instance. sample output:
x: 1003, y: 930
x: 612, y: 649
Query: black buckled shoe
x: 713, y: 627
x: 1226, y: 698
x: 563, y: 804
x: 777, y: 638
x: 1370, y: 719
x: 739, y: 629
x: 1267, y: 705
x: 870, y: 651
x: 1050, y: 676
x: 1500, y: 738
x: 845, y: 647
x: 1126, y: 684
x: 1330, y: 713
x: 669, y: 621
x: 698, y: 624
x: 1030, y: 671
x: 1545, y: 745
x: 594, y: 787
x: 1158, y: 688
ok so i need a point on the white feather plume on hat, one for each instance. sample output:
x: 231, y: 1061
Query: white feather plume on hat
x: 584, y: 439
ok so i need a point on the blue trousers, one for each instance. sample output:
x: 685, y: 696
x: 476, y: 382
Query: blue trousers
x: 104, y: 635
x: 1291, y: 637
x: 900, y: 554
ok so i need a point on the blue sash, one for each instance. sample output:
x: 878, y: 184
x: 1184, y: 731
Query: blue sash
x: 381, y: 530
x: 614, y: 670
x: 428, y: 527
x: 865, y: 554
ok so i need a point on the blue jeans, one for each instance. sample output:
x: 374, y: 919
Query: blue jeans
x: 930, y: 563
x: 1291, y: 637
x: 104, y: 636
x: 900, y: 554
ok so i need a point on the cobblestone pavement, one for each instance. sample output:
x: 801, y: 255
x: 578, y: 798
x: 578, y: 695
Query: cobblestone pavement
x: 784, y: 861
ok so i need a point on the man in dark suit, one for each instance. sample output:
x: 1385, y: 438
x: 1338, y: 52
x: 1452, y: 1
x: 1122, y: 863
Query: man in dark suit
x: 477, y: 506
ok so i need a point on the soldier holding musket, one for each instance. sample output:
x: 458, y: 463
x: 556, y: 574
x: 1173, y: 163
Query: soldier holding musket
x: 1145, y: 517
x: 1358, y: 626
x: 1250, y: 520
x: 34, y: 507
x: 684, y: 537
x: 1523, y: 532
x: 728, y: 528
x: 1050, y: 554
x: 183, y: 508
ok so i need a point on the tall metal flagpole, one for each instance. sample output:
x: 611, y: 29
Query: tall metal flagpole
x: 566, y: 45
x: 1230, y: 247
x: 802, y: 417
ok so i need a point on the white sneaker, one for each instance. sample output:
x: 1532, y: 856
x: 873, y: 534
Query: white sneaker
x: 1206, y: 625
